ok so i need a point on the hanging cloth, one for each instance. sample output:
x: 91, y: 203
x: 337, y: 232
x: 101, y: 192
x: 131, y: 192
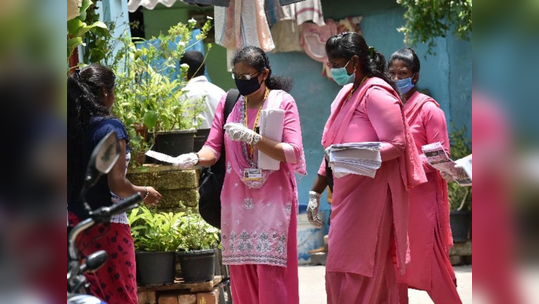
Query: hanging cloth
x: 286, y: 37
x: 313, y: 39
x: 243, y: 23
x: 309, y: 10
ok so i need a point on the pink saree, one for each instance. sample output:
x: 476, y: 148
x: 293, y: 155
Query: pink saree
x: 429, y: 231
x: 365, y: 209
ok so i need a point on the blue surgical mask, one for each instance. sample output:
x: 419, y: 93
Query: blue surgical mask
x: 340, y: 75
x: 404, y: 85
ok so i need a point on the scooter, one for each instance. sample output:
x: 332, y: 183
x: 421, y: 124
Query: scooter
x: 102, y: 160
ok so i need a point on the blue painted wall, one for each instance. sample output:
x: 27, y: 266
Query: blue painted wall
x: 447, y: 75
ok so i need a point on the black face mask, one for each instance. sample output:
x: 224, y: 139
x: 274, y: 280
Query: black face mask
x: 247, y: 87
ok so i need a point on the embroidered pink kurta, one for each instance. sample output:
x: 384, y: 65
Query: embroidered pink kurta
x: 255, y: 223
x: 373, y: 113
x: 429, y: 205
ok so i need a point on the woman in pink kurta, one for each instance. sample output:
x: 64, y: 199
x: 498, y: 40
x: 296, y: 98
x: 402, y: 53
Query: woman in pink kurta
x: 369, y: 218
x: 429, y: 231
x: 259, y: 207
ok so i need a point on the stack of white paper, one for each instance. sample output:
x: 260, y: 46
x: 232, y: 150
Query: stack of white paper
x: 361, y: 158
x: 271, y: 126
x: 438, y: 158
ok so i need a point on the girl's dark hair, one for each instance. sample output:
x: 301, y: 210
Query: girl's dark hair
x: 84, y: 102
x: 409, y: 57
x: 371, y: 61
x: 257, y: 58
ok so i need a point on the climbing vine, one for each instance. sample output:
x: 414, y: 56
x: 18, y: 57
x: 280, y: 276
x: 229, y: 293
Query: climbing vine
x: 428, y: 19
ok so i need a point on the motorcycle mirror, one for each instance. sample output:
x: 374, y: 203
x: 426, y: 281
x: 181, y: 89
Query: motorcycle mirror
x: 104, y: 157
x: 95, y: 260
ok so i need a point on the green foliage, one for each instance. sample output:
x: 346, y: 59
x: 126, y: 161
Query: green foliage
x: 196, y: 234
x: 429, y: 19
x: 155, y: 232
x: 146, y: 87
x: 147, y: 91
x: 87, y: 25
x: 460, y: 197
x: 166, y: 231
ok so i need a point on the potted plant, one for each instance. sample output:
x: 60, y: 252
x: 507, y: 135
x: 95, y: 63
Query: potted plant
x: 156, y: 237
x: 171, y: 117
x: 197, y: 250
x: 460, y: 198
x: 149, y: 90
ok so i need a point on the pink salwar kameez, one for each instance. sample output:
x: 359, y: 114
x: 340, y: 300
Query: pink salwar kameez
x: 429, y: 231
x: 369, y: 219
x: 259, y: 220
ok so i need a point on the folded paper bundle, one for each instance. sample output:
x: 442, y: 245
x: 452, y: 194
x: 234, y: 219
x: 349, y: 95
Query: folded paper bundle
x: 360, y: 158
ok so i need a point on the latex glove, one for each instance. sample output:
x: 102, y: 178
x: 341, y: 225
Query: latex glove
x: 239, y: 132
x: 312, y: 209
x: 186, y: 161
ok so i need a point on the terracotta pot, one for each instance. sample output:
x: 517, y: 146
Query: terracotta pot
x: 141, y: 130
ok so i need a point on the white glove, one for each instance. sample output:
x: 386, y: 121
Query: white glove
x: 186, y: 161
x: 312, y: 209
x: 239, y: 132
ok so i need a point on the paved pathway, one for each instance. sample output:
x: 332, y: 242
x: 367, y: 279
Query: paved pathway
x: 312, y: 289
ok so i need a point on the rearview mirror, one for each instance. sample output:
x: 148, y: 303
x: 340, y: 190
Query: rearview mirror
x: 106, y: 153
x: 103, y: 159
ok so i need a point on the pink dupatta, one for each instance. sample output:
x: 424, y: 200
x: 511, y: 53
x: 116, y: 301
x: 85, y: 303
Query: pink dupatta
x: 411, y: 169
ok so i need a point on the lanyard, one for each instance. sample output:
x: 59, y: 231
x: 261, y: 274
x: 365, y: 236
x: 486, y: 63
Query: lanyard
x: 246, y: 116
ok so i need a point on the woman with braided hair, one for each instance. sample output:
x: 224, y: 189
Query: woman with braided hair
x: 90, y: 97
x: 369, y: 216
x: 258, y: 207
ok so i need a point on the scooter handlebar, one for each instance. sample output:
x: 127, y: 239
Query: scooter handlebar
x: 104, y: 214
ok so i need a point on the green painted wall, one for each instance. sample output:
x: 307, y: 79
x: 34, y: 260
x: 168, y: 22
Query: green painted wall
x: 162, y: 18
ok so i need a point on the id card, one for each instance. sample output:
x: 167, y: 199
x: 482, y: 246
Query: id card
x: 252, y: 174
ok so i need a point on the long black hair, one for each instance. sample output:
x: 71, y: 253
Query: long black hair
x: 258, y: 59
x: 84, y: 102
x: 409, y: 57
x: 371, y: 61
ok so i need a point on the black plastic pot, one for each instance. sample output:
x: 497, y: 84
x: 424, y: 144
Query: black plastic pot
x: 197, y: 266
x: 200, y: 138
x: 156, y: 268
x: 461, y: 222
x: 174, y: 143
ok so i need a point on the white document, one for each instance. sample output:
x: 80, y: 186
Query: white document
x: 438, y: 158
x: 271, y: 126
x: 162, y: 157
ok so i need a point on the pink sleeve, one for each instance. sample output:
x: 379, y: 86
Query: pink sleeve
x: 436, y: 128
x: 215, y: 138
x: 292, y: 141
x: 386, y: 117
x: 322, y: 169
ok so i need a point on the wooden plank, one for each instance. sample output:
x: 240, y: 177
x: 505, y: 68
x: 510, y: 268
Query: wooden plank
x: 180, y: 285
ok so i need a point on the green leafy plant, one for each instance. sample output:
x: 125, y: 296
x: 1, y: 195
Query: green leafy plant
x: 429, y: 19
x: 460, y: 198
x: 148, y: 92
x: 155, y: 231
x: 147, y: 87
x: 196, y: 234
x: 87, y: 24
